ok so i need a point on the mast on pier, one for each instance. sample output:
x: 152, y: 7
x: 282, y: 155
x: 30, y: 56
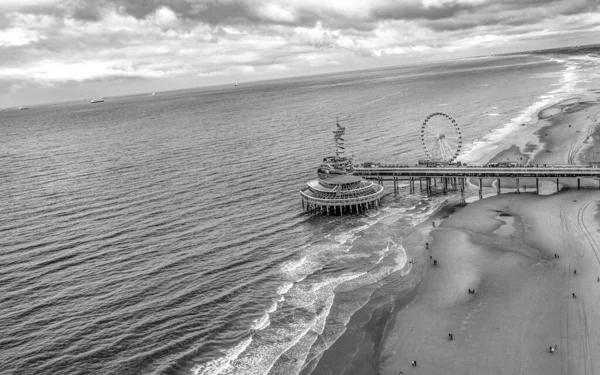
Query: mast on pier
x: 340, y: 148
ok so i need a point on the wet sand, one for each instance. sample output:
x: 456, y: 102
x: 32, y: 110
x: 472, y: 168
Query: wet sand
x: 522, y: 303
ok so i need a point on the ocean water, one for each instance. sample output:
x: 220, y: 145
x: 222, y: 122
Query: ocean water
x: 164, y: 234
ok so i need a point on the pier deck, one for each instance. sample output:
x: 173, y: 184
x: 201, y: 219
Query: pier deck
x: 392, y: 172
x: 453, y: 177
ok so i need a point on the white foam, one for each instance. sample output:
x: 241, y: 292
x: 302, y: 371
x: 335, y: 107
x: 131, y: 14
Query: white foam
x: 345, y: 237
x: 284, y: 288
x: 217, y: 366
x: 481, y: 148
x: 314, y: 301
x: 293, y: 265
x: 272, y: 308
x: 308, y: 300
x: 262, y: 323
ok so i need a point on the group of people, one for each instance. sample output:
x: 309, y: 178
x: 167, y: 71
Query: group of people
x: 472, y: 291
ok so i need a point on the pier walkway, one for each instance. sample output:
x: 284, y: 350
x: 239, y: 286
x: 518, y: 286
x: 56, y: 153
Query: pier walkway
x: 454, y: 176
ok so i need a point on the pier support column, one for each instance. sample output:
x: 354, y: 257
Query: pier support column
x: 434, y: 183
x: 302, y: 204
x: 445, y: 185
x: 537, y: 185
x: 498, y: 181
x: 518, y: 192
x: 421, y: 185
x: 557, y: 188
x: 480, y: 189
x: 578, y: 184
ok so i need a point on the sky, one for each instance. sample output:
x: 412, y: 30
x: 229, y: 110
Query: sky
x: 58, y: 50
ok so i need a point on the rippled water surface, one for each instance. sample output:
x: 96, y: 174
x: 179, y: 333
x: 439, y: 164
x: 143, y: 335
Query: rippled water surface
x: 164, y: 234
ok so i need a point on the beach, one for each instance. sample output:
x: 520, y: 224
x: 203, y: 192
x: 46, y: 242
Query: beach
x: 532, y: 260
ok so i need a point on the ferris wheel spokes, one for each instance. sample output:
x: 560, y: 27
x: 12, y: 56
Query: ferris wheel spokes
x: 441, y: 137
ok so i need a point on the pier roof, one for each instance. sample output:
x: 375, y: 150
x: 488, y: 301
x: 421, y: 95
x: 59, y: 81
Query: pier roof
x: 340, y: 179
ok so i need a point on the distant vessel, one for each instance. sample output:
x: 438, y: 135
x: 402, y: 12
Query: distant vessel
x: 153, y: 94
x: 97, y: 100
x: 235, y: 84
x: 22, y: 108
x: 337, y: 189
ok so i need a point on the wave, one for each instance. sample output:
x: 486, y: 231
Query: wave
x: 291, y: 266
x: 297, y: 326
x: 262, y: 323
x: 284, y: 288
x: 217, y: 366
x: 480, y: 148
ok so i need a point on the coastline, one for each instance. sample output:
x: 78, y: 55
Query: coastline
x: 503, y: 247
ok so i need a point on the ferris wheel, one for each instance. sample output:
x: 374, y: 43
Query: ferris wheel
x: 441, y: 137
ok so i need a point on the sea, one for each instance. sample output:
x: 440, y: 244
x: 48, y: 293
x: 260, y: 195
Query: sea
x: 164, y: 234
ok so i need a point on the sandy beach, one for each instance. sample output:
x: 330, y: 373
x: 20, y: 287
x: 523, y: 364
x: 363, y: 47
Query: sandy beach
x: 532, y: 260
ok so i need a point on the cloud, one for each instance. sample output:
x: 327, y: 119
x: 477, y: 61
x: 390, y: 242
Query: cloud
x: 17, y: 37
x: 277, y: 68
x: 58, y: 41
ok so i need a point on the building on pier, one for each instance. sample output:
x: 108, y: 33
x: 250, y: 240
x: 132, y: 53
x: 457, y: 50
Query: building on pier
x: 337, y: 191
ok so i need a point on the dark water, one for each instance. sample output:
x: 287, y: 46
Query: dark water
x: 164, y: 234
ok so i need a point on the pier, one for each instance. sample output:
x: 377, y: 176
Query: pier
x: 453, y: 177
x: 343, y: 186
x: 337, y: 190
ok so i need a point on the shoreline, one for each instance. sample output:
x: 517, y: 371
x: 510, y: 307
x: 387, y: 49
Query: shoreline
x: 524, y: 239
x: 499, y: 248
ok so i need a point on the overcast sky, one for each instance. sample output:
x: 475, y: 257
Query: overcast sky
x: 55, y: 50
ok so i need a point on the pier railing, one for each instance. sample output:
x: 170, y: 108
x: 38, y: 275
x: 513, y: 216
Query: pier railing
x: 359, y: 190
x: 478, y: 171
x: 343, y: 202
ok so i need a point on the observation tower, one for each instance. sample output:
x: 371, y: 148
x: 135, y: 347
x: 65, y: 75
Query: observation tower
x: 337, y: 190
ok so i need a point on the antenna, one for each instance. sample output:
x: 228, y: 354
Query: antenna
x: 338, y: 140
